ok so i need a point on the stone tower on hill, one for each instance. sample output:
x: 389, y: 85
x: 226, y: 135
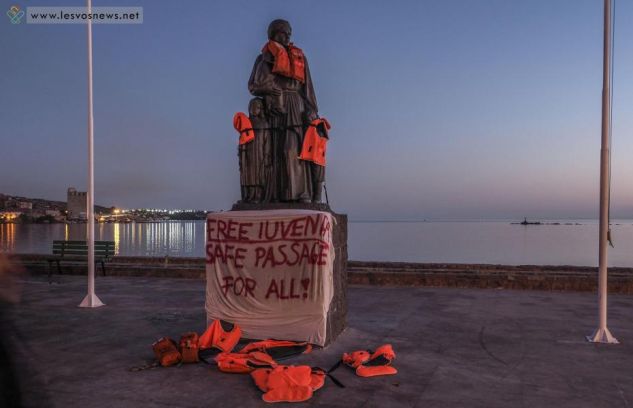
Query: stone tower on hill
x: 77, y: 204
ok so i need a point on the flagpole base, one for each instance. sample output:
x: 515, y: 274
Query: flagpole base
x: 602, y: 336
x: 91, y: 300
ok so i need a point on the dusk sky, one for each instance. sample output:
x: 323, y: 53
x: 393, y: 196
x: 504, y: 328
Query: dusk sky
x: 439, y: 109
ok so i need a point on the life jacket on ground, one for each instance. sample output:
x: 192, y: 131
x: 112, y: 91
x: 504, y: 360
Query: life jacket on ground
x: 278, y: 349
x: 166, y: 352
x: 315, y: 142
x: 288, y: 383
x: 242, y: 363
x: 243, y: 125
x: 220, y: 335
x: 368, y: 364
x: 188, y: 347
x: 289, y: 63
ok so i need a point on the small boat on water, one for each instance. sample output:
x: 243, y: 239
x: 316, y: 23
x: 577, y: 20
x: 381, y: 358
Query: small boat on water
x: 526, y: 222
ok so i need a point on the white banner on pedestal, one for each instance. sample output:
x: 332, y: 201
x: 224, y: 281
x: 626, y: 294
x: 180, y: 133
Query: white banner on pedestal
x: 271, y: 272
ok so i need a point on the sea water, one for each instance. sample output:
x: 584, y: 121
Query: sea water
x: 562, y: 242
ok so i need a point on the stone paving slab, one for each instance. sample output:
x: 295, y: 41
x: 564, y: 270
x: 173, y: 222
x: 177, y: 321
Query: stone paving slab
x: 455, y: 348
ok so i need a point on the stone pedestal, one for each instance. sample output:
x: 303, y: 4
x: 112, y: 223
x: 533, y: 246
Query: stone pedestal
x: 337, y: 315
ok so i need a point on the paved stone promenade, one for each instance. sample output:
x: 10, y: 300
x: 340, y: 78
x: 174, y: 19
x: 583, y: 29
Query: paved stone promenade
x: 455, y: 348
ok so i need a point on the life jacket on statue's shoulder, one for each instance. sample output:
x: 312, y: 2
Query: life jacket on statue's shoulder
x: 243, y: 125
x: 221, y: 335
x: 315, y: 142
x: 289, y: 63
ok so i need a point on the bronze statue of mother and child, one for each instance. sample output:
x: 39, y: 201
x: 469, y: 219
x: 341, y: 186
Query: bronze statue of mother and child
x: 282, y: 140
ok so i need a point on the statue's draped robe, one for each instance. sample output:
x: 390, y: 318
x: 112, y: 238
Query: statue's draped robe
x: 290, y: 176
x: 262, y: 146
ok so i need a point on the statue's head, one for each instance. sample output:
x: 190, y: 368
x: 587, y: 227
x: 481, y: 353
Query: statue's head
x: 280, y: 31
x: 256, y: 107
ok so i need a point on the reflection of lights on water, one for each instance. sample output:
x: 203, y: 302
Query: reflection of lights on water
x: 175, y: 238
x: 140, y: 235
x: 117, y: 238
x: 11, y: 236
x: 7, y: 237
x: 189, y: 237
x: 164, y: 238
x: 148, y: 238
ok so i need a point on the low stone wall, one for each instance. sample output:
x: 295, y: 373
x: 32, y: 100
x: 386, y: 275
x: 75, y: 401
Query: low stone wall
x: 181, y: 267
x: 535, y: 277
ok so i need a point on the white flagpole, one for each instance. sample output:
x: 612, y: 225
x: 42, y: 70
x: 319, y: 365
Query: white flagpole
x: 602, y: 334
x: 91, y: 299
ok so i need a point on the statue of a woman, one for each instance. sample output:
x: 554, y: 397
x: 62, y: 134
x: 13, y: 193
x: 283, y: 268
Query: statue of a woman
x: 281, y: 76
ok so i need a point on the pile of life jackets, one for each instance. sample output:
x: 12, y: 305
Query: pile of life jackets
x: 278, y: 382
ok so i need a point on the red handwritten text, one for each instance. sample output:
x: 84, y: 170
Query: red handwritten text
x: 284, y: 290
x: 293, y: 254
x: 227, y: 230
x: 225, y: 254
x: 241, y: 286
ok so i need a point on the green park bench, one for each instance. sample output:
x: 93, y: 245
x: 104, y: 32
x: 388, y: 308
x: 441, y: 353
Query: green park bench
x: 77, y: 252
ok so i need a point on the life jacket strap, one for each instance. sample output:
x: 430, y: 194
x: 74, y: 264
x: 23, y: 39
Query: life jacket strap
x: 329, y: 375
x: 335, y: 366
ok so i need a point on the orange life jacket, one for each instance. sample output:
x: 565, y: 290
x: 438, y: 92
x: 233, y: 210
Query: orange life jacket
x: 368, y: 364
x: 243, y: 125
x: 166, y: 352
x: 288, y: 383
x: 220, y: 335
x: 289, y: 63
x: 315, y: 142
x: 278, y: 349
x: 188, y: 347
x: 242, y: 363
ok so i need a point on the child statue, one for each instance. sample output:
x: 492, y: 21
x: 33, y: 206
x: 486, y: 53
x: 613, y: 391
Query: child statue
x: 254, y: 153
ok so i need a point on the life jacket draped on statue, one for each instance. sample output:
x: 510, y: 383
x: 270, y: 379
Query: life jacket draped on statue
x: 315, y: 142
x: 289, y: 63
x: 243, y: 125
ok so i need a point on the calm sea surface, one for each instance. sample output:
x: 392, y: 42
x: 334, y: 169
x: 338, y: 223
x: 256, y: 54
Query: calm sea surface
x: 460, y: 242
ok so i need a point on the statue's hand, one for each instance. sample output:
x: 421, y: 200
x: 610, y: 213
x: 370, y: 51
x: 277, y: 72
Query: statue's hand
x: 309, y: 116
x: 275, y: 101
